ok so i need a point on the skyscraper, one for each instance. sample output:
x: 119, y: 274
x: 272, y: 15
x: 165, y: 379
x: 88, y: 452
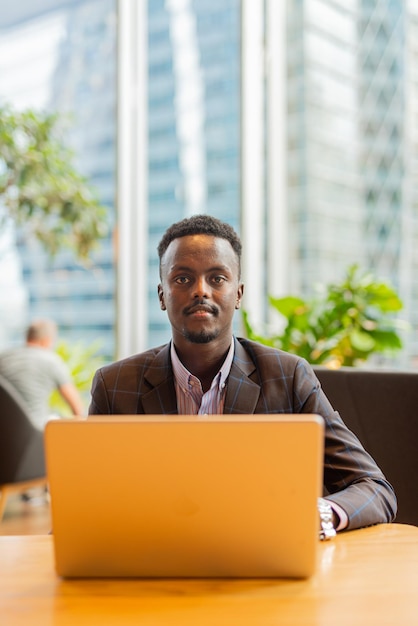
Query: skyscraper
x: 352, y: 198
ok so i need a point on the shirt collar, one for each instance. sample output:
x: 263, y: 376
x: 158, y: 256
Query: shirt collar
x: 182, y: 374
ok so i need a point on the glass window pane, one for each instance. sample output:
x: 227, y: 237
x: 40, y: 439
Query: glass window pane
x: 60, y: 57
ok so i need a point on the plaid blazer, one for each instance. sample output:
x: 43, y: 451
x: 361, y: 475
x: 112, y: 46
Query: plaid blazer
x: 261, y: 380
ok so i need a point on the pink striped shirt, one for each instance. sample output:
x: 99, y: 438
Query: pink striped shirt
x: 190, y: 397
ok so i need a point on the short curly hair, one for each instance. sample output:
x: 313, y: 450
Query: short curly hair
x: 200, y: 225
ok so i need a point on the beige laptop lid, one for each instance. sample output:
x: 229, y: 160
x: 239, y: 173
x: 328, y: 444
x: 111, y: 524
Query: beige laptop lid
x: 179, y: 496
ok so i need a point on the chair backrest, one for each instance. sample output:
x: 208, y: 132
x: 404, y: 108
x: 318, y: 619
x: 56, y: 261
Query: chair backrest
x: 21, y: 443
x: 381, y: 408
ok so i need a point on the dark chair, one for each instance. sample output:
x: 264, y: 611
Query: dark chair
x: 381, y: 408
x: 22, y: 460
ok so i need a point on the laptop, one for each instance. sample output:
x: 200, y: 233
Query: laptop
x: 185, y: 496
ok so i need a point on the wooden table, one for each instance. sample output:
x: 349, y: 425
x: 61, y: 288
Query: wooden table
x: 368, y: 576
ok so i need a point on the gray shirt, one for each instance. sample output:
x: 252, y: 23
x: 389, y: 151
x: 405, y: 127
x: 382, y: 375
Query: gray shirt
x: 34, y: 373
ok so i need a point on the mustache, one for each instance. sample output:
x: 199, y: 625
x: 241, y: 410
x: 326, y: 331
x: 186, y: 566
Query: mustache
x: 201, y: 305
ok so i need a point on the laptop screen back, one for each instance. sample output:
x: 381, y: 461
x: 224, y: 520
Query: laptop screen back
x: 185, y: 496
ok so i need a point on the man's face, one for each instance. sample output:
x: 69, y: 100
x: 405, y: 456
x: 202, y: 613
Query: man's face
x: 200, y: 287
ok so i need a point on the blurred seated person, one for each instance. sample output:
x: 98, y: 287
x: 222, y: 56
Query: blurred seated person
x: 35, y: 371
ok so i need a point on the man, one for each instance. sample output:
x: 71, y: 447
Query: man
x: 35, y: 370
x: 205, y: 369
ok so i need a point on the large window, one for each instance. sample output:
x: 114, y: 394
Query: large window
x: 61, y: 56
x: 295, y: 121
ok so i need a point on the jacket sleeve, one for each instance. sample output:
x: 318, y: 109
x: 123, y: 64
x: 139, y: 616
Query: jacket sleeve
x: 99, y: 404
x: 351, y: 477
x: 115, y: 389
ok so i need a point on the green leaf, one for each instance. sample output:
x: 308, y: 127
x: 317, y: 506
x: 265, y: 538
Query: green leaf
x: 288, y: 306
x: 361, y: 341
x: 40, y: 188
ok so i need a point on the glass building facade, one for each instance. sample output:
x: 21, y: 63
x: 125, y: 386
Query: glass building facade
x: 193, y: 122
x: 61, y: 56
x: 324, y: 185
x: 382, y: 126
x: 349, y: 134
x: 352, y: 197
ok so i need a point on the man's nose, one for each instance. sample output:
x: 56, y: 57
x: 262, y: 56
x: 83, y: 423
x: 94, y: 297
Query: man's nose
x: 201, y: 288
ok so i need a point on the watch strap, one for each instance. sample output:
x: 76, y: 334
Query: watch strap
x: 326, y: 527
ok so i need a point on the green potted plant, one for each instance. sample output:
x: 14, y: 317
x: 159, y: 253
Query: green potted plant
x: 351, y: 321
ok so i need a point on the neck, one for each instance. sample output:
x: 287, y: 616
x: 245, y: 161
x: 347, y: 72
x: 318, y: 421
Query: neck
x: 203, y: 360
x: 38, y: 344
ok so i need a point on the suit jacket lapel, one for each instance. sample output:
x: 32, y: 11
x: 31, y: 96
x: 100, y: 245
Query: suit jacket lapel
x: 242, y: 393
x: 161, y: 398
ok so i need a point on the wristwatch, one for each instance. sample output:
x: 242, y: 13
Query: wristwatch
x: 326, y: 528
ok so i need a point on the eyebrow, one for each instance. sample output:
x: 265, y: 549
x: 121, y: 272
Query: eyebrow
x: 187, y: 268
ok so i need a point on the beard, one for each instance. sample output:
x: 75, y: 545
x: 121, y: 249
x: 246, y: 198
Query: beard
x: 202, y: 336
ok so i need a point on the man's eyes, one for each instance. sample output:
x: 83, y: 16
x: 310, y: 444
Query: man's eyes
x: 184, y: 280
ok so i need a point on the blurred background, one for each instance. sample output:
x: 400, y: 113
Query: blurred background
x: 294, y: 120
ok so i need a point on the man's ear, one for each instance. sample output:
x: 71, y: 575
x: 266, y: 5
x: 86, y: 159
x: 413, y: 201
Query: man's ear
x: 240, y: 293
x: 161, y: 297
